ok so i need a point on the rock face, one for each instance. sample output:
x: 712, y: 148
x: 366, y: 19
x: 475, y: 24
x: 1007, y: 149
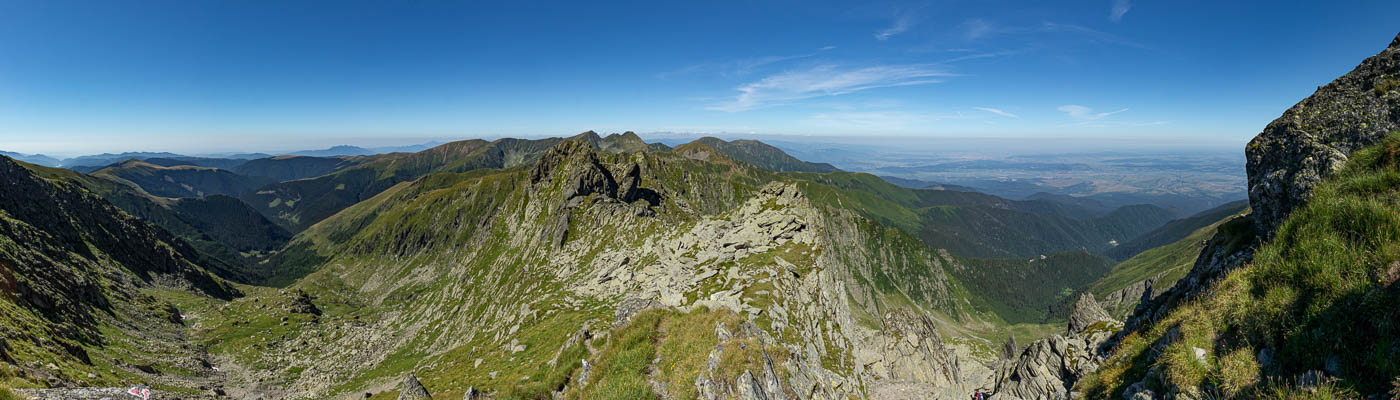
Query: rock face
x: 411, y: 389
x: 1120, y: 304
x: 576, y: 168
x: 1313, y: 138
x: 1086, y: 313
x: 585, y: 174
x: 1049, y: 367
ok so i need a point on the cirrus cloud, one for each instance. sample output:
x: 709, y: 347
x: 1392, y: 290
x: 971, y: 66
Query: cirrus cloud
x: 1120, y: 7
x: 1085, y: 113
x: 827, y: 80
x: 996, y: 111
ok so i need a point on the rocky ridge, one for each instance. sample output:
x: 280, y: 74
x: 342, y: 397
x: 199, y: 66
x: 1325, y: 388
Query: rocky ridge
x: 588, y: 240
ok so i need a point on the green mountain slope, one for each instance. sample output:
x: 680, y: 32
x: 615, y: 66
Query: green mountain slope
x: 1321, y: 296
x: 1022, y: 290
x: 1167, y: 263
x: 763, y: 155
x: 1175, y: 230
x: 180, y: 180
x: 290, y: 168
x: 298, y: 204
x: 228, y: 233
x: 971, y: 224
x: 77, y: 284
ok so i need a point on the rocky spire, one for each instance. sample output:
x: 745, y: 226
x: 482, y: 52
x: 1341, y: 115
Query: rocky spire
x: 1086, y: 313
x: 1009, y: 349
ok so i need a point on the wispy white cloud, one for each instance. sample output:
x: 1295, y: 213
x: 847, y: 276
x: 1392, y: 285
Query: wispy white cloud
x: 978, y: 28
x: 825, y: 48
x: 1092, y: 34
x: 975, y: 56
x: 868, y: 120
x: 738, y: 67
x: 901, y: 24
x: 1120, y: 7
x: 1085, y: 113
x: 827, y: 80
x: 997, y: 112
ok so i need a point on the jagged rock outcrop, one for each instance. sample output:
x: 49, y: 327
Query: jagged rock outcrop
x: 586, y: 175
x: 1120, y: 304
x: 814, y: 305
x: 1285, y: 162
x: 1086, y: 313
x: 1049, y: 368
x: 629, y: 188
x: 411, y: 389
x: 583, y: 175
x: 1010, y: 348
x: 1312, y: 139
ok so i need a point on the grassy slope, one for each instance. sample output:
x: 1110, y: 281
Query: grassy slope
x: 288, y: 168
x: 180, y: 180
x: 1175, y: 230
x: 980, y: 225
x: 763, y: 155
x: 1171, y: 261
x: 1324, y: 289
x: 90, y: 304
x: 226, y: 231
x: 296, y: 205
x: 1021, y: 290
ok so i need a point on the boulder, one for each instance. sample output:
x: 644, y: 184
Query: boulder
x: 411, y: 389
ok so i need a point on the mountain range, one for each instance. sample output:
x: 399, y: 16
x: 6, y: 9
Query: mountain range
x: 89, y: 163
x: 606, y: 267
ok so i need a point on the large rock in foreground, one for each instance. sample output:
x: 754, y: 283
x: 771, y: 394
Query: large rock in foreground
x: 1049, y: 368
x: 1314, y: 138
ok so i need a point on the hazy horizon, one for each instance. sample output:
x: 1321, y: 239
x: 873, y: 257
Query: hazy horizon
x: 1002, y: 145
x: 267, y: 76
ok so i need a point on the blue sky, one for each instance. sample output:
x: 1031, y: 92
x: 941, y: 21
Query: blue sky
x: 85, y: 76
